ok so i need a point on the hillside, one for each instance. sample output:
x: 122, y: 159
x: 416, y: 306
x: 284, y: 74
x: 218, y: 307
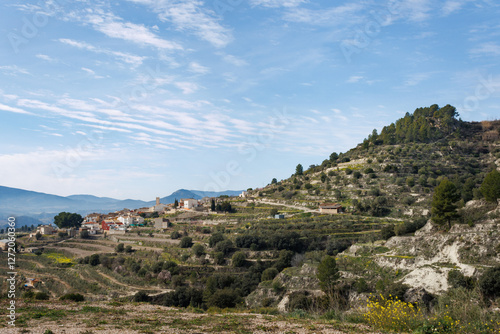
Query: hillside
x: 245, y: 259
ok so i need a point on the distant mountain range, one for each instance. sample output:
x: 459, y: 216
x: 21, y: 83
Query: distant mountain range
x: 31, y: 207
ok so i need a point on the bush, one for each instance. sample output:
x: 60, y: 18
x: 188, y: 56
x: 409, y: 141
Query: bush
x: 94, y: 260
x: 215, y: 239
x: 129, y: 249
x: 186, y: 242
x: 489, y: 283
x: 393, y: 315
x: 387, y: 232
x: 141, y: 297
x: 457, y: 280
x: 225, y: 247
x: 198, y: 250
x: 299, y: 300
x: 219, y: 258
x: 120, y: 248
x: 41, y: 296
x: 239, y: 259
x: 75, y: 297
x: 269, y: 274
x: 175, y: 235
x: 224, y: 298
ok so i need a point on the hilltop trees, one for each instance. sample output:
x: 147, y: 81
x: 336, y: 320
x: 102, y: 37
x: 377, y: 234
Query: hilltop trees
x: 67, y: 220
x: 444, y: 209
x: 490, y: 188
x: 299, y: 170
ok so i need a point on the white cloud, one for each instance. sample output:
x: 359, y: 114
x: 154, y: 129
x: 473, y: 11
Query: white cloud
x: 233, y: 60
x: 14, y: 109
x: 128, y: 58
x: 13, y: 70
x: 276, y: 3
x: 187, y: 87
x: 197, y: 68
x: 192, y: 17
x: 114, y: 27
x: 354, y: 79
x: 46, y: 58
x: 452, y: 6
x: 334, y: 16
x: 415, y: 79
x: 490, y: 49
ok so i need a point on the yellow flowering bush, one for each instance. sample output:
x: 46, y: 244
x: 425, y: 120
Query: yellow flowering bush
x: 393, y: 314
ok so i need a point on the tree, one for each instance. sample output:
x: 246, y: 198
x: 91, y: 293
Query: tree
x: 239, y: 259
x: 84, y: 234
x: 212, y: 205
x: 129, y: 249
x: 490, y: 188
x: 334, y: 156
x: 38, y: 236
x: 328, y: 275
x: 299, y: 170
x: 94, y: 260
x: 489, y: 283
x: 273, y: 212
x: 67, y: 220
x: 444, y: 198
x: 198, y: 250
x: 186, y: 242
x: 120, y: 248
x: 274, y: 181
x: 176, y: 203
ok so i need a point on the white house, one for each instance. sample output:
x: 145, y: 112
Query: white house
x: 126, y: 220
x: 190, y: 203
x: 243, y: 194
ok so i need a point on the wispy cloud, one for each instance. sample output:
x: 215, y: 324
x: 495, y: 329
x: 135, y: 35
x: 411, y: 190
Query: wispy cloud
x: 416, y: 78
x: 115, y: 27
x: 233, y: 60
x: 276, y: 3
x: 333, y: 16
x: 14, y: 109
x: 197, y: 68
x: 354, y: 79
x: 13, y: 70
x: 134, y: 60
x: 488, y: 49
x: 46, y: 58
x: 193, y: 17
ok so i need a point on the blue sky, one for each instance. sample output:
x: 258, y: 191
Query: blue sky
x: 138, y: 98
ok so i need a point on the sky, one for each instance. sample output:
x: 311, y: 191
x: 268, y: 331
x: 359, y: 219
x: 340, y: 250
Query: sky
x: 139, y: 98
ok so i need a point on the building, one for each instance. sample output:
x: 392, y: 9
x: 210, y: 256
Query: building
x: 279, y: 216
x: 331, y: 208
x: 243, y: 194
x: 159, y: 207
x: 188, y: 203
x: 46, y: 229
x: 127, y: 220
x: 4, y: 244
x: 161, y: 223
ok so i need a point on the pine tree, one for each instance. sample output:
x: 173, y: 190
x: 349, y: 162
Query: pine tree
x: 490, y: 188
x: 444, y: 209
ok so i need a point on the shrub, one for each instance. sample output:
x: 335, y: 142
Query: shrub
x: 41, y: 296
x: 175, y: 235
x: 129, y: 249
x: 76, y: 297
x: 239, y: 259
x: 299, y: 300
x: 457, y: 280
x: 224, y: 298
x: 215, y: 239
x: 269, y: 274
x: 140, y: 297
x: 186, y: 242
x: 94, y: 260
x: 120, y: 248
x: 225, y: 247
x: 387, y: 231
x: 219, y: 258
x: 489, y: 283
x: 198, y: 250
x: 393, y: 315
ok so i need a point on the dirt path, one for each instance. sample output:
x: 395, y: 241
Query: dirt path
x: 114, y: 280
